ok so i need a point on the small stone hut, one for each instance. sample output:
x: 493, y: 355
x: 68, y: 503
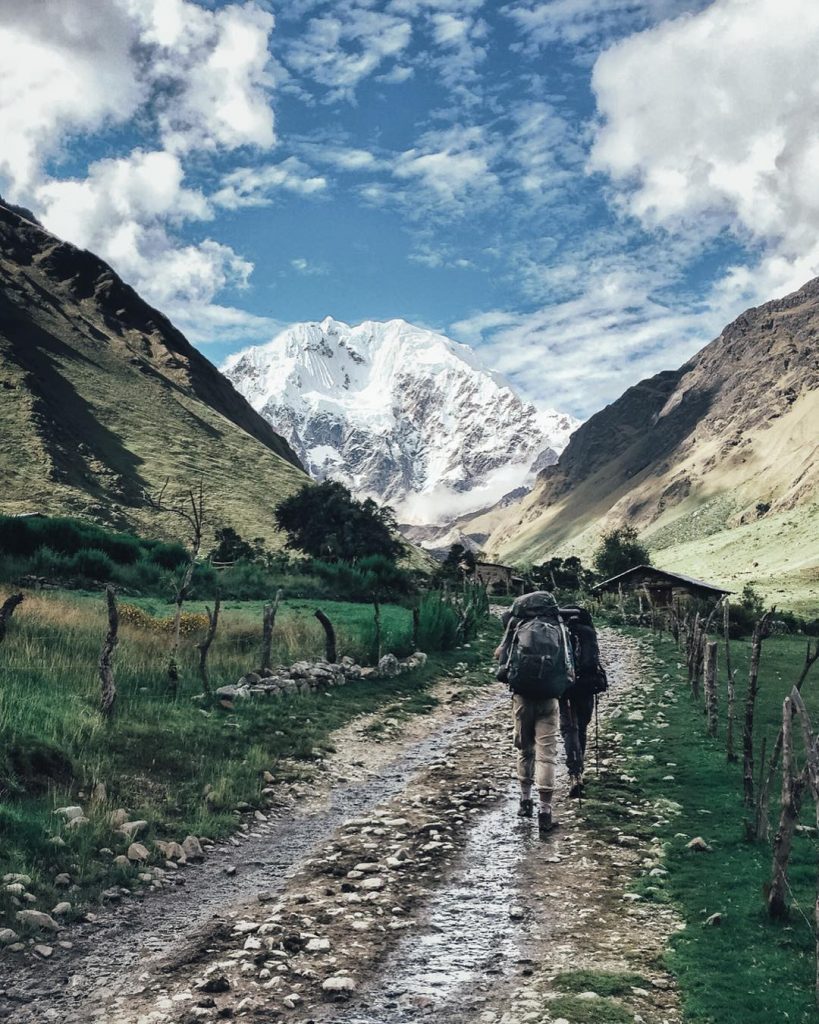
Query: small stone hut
x: 662, y: 587
x: 498, y: 578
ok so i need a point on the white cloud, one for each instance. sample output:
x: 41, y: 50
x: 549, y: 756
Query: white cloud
x: 122, y: 210
x: 67, y: 67
x: 710, y: 122
x: 304, y: 266
x: 341, y: 49
x: 255, y: 186
x: 451, y: 164
x: 588, y: 22
x: 582, y: 352
x: 196, y: 79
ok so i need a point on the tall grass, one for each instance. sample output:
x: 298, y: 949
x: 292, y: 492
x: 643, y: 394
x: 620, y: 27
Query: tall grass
x: 166, y: 758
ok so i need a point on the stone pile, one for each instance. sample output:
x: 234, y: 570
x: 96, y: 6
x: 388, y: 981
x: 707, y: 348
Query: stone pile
x: 304, y: 677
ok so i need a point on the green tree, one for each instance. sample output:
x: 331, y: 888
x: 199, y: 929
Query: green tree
x: 620, y: 550
x: 325, y: 521
x: 230, y: 546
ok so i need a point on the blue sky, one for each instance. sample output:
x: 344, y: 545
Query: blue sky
x: 583, y: 190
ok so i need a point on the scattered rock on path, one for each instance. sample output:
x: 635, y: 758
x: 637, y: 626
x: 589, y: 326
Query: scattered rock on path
x: 37, y: 919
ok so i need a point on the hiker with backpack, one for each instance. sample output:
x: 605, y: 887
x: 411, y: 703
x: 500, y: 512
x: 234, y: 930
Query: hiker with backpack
x: 536, y: 660
x: 578, y: 703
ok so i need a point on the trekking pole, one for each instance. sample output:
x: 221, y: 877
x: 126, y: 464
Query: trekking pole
x: 596, y: 738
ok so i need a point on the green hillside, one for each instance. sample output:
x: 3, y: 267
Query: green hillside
x: 102, y: 400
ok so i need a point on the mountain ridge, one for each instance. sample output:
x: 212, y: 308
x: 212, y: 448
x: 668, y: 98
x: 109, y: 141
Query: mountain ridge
x: 399, y: 413
x: 722, y: 444
x: 102, y: 398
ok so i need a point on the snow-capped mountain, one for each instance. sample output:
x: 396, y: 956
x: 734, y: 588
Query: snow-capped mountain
x: 398, y: 413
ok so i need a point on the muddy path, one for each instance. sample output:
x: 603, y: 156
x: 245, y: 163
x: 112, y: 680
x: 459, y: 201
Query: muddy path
x: 97, y: 956
x: 408, y: 891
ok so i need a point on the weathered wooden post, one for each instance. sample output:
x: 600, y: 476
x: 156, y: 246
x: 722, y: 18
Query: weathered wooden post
x: 329, y: 636
x: 108, y: 687
x: 730, y: 755
x: 204, y: 646
x: 416, y: 628
x: 792, y: 790
x: 6, y: 611
x: 762, y: 630
x: 269, y: 613
x: 711, y: 686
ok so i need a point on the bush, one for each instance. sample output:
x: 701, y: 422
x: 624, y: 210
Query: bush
x: 619, y: 551
x: 437, y: 623
x: 91, y: 564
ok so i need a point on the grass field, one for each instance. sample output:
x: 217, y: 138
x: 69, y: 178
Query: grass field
x: 749, y: 968
x: 160, y: 752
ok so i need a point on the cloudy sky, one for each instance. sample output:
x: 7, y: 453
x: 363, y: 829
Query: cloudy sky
x: 583, y: 190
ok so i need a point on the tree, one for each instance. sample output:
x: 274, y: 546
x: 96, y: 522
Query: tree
x: 325, y: 521
x: 230, y: 546
x: 189, y: 506
x: 459, y: 562
x: 620, y: 550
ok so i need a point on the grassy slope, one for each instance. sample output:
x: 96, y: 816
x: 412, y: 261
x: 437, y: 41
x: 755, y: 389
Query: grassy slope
x: 748, y: 969
x: 103, y: 399
x: 159, y: 752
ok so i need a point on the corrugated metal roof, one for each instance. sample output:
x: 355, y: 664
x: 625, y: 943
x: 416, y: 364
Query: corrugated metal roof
x: 663, y: 572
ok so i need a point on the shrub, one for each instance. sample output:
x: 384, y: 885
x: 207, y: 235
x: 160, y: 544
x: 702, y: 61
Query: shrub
x: 92, y: 564
x: 437, y: 623
x: 619, y: 551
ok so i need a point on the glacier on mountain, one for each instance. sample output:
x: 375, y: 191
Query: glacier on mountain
x: 400, y: 414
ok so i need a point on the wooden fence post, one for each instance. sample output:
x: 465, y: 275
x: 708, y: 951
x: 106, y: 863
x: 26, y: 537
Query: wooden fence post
x: 6, y: 611
x: 108, y: 686
x: 762, y: 631
x: 329, y: 636
x: 204, y: 646
x: 711, y: 686
x: 268, y: 622
x: 792, y: 789
x: 730, y: 755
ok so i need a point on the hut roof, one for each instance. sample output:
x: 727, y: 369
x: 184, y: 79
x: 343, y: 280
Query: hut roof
x: 661, y: 575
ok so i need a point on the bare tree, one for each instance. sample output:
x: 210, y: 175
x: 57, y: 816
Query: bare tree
x: 189, y: 506
x: 762, y: 630
x: 268, y: 622
x: 108, y: 686
x: 7, y: 609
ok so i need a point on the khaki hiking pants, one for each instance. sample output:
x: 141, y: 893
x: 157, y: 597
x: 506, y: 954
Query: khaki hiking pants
x: 536, y: 730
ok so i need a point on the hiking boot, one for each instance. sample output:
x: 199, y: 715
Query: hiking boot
x: 546, y: 824
x: 576, y: 789
x: 526, y: 808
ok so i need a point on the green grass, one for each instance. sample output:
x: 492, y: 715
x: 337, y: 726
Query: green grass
x: 749, y: 967
x: 171, y: 760
x: 604, y: 983
x: 589, y: 1011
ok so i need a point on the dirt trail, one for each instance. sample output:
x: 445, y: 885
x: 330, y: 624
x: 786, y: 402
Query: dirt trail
x: 411, y: 890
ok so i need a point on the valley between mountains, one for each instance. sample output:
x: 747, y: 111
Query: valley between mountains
x: 394, y: 885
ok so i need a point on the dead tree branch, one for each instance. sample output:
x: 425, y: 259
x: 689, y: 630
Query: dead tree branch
x: 711, y: 686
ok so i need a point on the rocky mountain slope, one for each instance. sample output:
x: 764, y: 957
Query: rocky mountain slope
x: 398, y: 413
x: 102, y: 399
x: 716, y: 463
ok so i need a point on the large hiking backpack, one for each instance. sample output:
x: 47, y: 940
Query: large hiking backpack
x: 591, y: 676
x: 540, y: 663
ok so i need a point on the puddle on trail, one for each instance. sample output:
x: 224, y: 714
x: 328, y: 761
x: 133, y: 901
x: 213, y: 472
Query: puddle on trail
x: 466, y: 943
